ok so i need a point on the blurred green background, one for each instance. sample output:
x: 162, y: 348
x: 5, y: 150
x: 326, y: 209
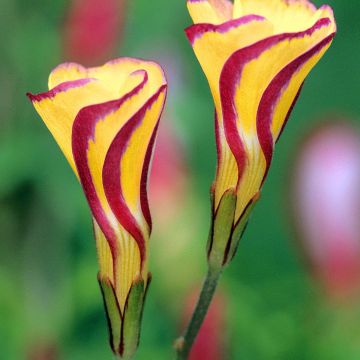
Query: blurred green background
x: 49, y: 296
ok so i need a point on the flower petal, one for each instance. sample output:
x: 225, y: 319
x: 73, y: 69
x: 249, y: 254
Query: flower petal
x: 281, y: 95
x: 94, y: 129
x: 221, y: 41
x: 59, y: 106
x: 286, y: 15
x: 210, y: 11
x: 249, y: 71
x: 116, y: 69
x: 74, y: 87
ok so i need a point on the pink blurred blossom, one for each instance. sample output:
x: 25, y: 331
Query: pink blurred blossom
x: 327, y: 204
x: 169, y: 174
x: 93, y: 30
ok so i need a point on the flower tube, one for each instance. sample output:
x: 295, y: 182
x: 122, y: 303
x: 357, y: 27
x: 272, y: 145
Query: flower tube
x: 256, y: 55
x: 105, y: 120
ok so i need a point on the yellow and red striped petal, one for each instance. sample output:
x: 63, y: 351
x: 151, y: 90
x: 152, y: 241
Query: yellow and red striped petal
x: 112, y: 146
x: 250, y: 70
x: 221, y: 41
x: 59, y: 107
x: 73, y: 87
x: 263, y: 87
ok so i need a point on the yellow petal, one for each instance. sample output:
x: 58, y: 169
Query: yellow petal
x: 210, y: 11
x: 287, y: 16
x: 112, y: 74
x: 289, y: 94
x: 127, y: 266
x: 135, y: 153
x: 59, y: 107
x: 227, y: 170
x: 104, y: 253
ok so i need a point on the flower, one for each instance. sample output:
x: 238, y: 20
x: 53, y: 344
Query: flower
x: 326, y: 204
x: 256, y: 55
x: 93, y: 29
x: 105, y: 120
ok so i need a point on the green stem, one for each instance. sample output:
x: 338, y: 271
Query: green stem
x: 185, y: 343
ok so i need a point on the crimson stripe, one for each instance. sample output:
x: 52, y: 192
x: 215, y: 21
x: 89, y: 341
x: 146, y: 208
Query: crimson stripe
x: 145, y: 177
x: 197, y: 30
x: 290, y: 111
x: 82, y: 132
x: 112, y: 173
x: 63, y: 87
x: 273, y: 94
x: 231, y: 77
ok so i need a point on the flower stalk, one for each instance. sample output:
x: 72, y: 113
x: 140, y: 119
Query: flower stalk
x: 183, y: 344
x: 222, y: 245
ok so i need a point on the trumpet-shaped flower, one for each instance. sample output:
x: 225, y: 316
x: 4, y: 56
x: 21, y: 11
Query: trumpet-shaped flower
x: 256, y: 55
x: 105, y: 120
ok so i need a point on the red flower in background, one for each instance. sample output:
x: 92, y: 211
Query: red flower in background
x: 93, y: 29
x: 327, y: 206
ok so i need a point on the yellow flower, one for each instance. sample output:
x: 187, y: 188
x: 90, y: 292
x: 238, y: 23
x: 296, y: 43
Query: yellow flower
x: 256, y: 55
x: 105, y: 121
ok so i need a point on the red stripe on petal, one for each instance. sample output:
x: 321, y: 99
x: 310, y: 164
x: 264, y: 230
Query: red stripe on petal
x: 273, y: 94
x: 82, y: 132
x: 197, y: 30
x: 63, y: 87
x: 289, y: 112
x: 145, y: 177
x: 112, y: 174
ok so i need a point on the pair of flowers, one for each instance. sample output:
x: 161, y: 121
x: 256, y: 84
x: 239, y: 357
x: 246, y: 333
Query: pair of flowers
x: 256, y: 55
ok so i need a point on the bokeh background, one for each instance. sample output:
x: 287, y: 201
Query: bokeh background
x: 272, y: 304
